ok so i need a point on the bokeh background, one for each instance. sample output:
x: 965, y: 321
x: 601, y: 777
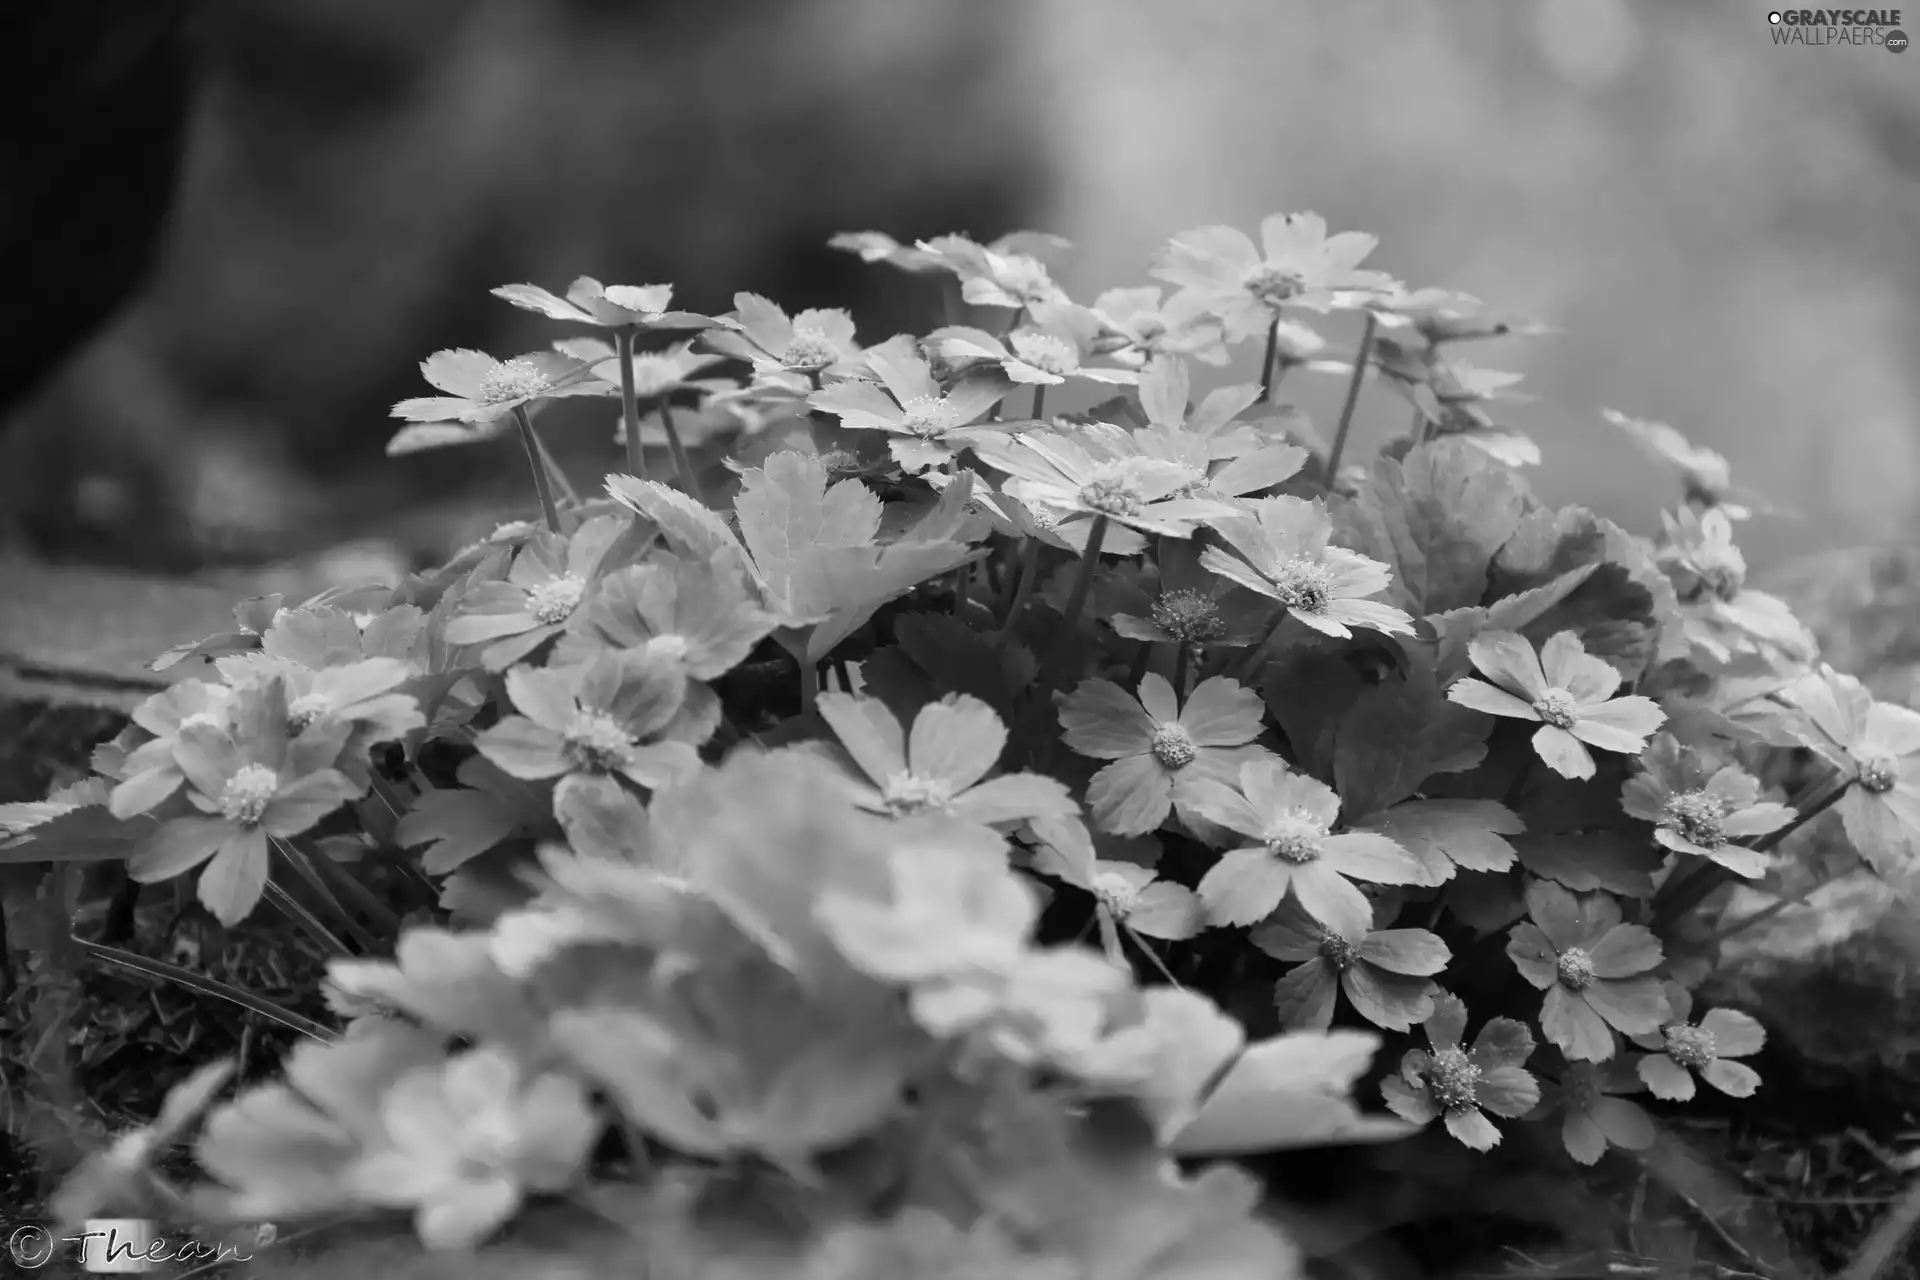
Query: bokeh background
x: 1724, y: 234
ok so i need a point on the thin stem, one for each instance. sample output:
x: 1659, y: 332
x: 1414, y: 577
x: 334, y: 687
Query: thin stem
x: 1029, y: 574
x: 1040, y: 403
x: 1695, y: 889
x: 681, y: 463
x: 1142, y: 658
x: 1353, y: 398
x: 844, y: 674
x: 1110, y: 939
x: 542, y: 482
x: 809, y: 685
x: 629, y: 402
x: 1082, y: 588
x: 1248, y: 665
x: 1422, y: 427
x: 1181, y: 657
x: 1154, y: 956
x: 962, y: 587
x: 562, y: 486
x: 1267, y: 362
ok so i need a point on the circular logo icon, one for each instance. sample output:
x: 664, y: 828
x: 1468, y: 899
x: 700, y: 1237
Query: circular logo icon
x: 31, y: 1246
x: 1774, y: 17
x: 1897, y: 41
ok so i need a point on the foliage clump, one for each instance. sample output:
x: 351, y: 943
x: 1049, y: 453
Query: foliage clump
x: 1410, y: 748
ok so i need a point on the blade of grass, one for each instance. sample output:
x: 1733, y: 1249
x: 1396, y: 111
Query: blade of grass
x: 191, y: 981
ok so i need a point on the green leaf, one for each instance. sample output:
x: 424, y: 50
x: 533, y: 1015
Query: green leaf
x: 1456, y: 629
x: 1467, y: 833
x: 1625, y: 611
x: 1287, y: 1092
x: 1584, y: 861
x: 937, y: 654
x: 1437, y: 518
x: 1396, y: 735
x: 463, y: 822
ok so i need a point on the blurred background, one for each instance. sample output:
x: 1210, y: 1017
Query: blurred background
x: 1724, y: 233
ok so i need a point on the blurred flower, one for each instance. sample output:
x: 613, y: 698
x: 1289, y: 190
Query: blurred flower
x: 1158, y: 747
x: 1046, y: 351
x: 1441, y: 316
x: 1722, y: 614
x: 250, y: 781
x: 1285, y: 554
x: 1593, y: 1117
x: 1454, y: 1084
x: 1387, y: 974
x: 1880, y: 744
x: 1297, y: 264
x: 1054, y: 471
x: 1681, y: 1048
x: 696, y: 615
x: 602, y: 716
x: 909, y: 405
x: 939, y: 767
x: 1595, y: 969
x: 1139, y: 326
x: 549, y: 580
x: 659, y: 373
x: 610, y: 306
x: 1190, y: 605
x: 1292, y: 815
x: 470, y: 1139
x: 1707, y: 475
x: 481, y: 393
x: 1701, y: 811
x: 1007, y: 273
x: 1564, y: 689
x: 1126, y: 894
x: 812, y: 344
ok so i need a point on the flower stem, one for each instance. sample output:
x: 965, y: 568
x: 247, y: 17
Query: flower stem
x: 563, y: 487
x: 1268, y: 361
x: 1040, y: 403
x: 1142, y: 659
x: 629, y: 402
x: 681, y: 462
x: 542, y: 482
x: 809, y: 685
x: 1029, y: 571
x: 1110, y: 940
x: 1353, y: 398
x: 1077, y: 602
x: 961, y: 588
x: 1181, y: 656
x: 1689, y: 893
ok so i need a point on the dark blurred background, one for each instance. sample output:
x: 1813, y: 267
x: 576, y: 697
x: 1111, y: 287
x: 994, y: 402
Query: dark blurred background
x: 1725, y: 233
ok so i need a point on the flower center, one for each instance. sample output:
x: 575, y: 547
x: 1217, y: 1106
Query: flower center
x: 1117, y: 894
x: 840, y: 462
x: 1878, y: 774
x: 1113, y: 495
x: 926, y: 416
x: 1575, y: 969
x: 248, y: 792
x: 596, y: 743
x: 1026, y: 278
x: 1699, y: 817
x: 1305, y: 584
x: 512, y: 380
x: 1691, y: 1046
x: 672, y: 648
x: 1045, y: 352
x: 1296, y: 837
x: 303, y: 711
x: 1173, y: 746
x: 1337, y: 951
x: 1556, y: 707
x: 909, y: 793
x: 1272, y: 286
x: 809, y: 349
x: 1043, y: 519
x: 1188, y: 615
x: 1451, y: 1079
x: 553, y: 602
x: 1724, y: 577
x: 203, y: 717
x: 654, y: 374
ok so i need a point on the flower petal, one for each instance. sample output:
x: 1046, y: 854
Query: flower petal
x: 1388, y: 1000
x: 1634, y: 1005
x: 1508, y: 1090
x: 176, y: 846
x: 1509, y: 661
x: 1244, y: 887
x: 1570, y: 1022
x: 1667, y: 1079
x: 1015, y: 796
x: 524, y: 749
x: 1365, y: 855
x: 1735, y: 1079
x: 302, y: 802
x: 869, y: 732
x: 1735, y: 1034
x: 1222, y: 713
x: 1625, y: 950
x: 1102, y: 720
x: 1130, y: 797
x: 1490, y: 700
x: 1583, y: 1138
x: 237, y: 876
x: 1473, y: 1130
x: 1413, y: 952
x: 1626, y: 1124
x: 1332, y: 899
x: 1305, y: 997
x: 1533, y: 955
x: 1157, y: 696
x: 957, y: 740
x: 1622, y: 725
x: 1567, y: 665
x: 1560, y: 751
